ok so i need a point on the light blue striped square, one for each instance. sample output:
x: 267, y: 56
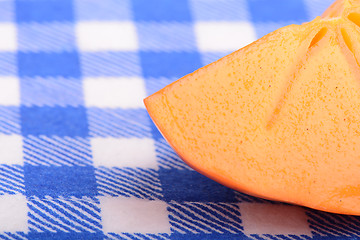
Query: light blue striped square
x: 220, y: 10
x: 103, y: 10
x: 7, y: 11
x: 95, y: 64
x: 109, y: 122
x: 8, y: 64
x: 166, y: 37
x: 58, y: 214
x: 56, y: 91
x: 57, y: 151
x: 9, y: 120
x: 49, y: 37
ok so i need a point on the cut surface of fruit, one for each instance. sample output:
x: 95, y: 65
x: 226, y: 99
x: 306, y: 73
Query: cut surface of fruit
x: 279, y: 118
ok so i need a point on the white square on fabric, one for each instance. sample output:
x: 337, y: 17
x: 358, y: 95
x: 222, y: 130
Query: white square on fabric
x: 8, y: 41
x: 14, y: 213
x: 11, y: 149
x: 260, y: 218
x: 134, y: 215
x: 124, y: 152
x: 106, y: 36
x: 9, y: 91
x: 123, y: 92
x: 223, y: 36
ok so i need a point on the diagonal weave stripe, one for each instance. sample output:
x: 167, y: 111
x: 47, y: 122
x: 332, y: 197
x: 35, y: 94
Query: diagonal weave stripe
x: 52, y: 91
x: 118, y: 123
x: 57, y: 151
x: 137, y: 236
x: 9, y: 120
x: 214, y: 10
x: 278, y: 237
x: 11, y: 179
x: 56, y: 36
x: 7, y: 63
x: 196, y: 217
x: 166, y: 37
x: 65, y: 215
x: 141, y: 183
x: 326, y: 224
x: 110, y: 64
x: 13, y: 236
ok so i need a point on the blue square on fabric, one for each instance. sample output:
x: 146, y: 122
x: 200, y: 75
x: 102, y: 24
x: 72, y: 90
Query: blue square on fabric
x: 63, y: 64
x: 277, y: 10
x: 161, y: 10
x: 103, y: 10
x: 62, y: 235
x: 56, y: 181
x: 95, y: 64
x: 169, y: 64
x: 7, y: 11
x: 54, y: 121
x: 47, y: 37
x: 51, y: 92
x: 44, y: 10
x: 188, y: 185
x: 224, y: 10
x: 166, y: 37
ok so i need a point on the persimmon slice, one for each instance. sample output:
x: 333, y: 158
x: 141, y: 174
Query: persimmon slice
x: 279, y: 118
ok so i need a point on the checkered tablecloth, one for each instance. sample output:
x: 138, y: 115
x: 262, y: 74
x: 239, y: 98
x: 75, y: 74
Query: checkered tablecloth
x: 79, y: 155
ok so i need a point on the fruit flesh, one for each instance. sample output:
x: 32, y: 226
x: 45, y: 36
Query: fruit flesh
x: 278, y: 119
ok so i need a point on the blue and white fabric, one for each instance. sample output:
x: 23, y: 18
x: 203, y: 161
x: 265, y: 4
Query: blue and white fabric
x: 79, y: 155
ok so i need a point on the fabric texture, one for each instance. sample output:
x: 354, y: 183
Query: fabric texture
x: 79, y: 155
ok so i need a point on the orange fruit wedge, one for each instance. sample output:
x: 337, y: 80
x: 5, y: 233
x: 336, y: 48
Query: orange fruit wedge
x: 279, y: 118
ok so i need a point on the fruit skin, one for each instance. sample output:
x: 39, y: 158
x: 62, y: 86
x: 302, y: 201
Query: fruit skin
x: 277, y: 119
